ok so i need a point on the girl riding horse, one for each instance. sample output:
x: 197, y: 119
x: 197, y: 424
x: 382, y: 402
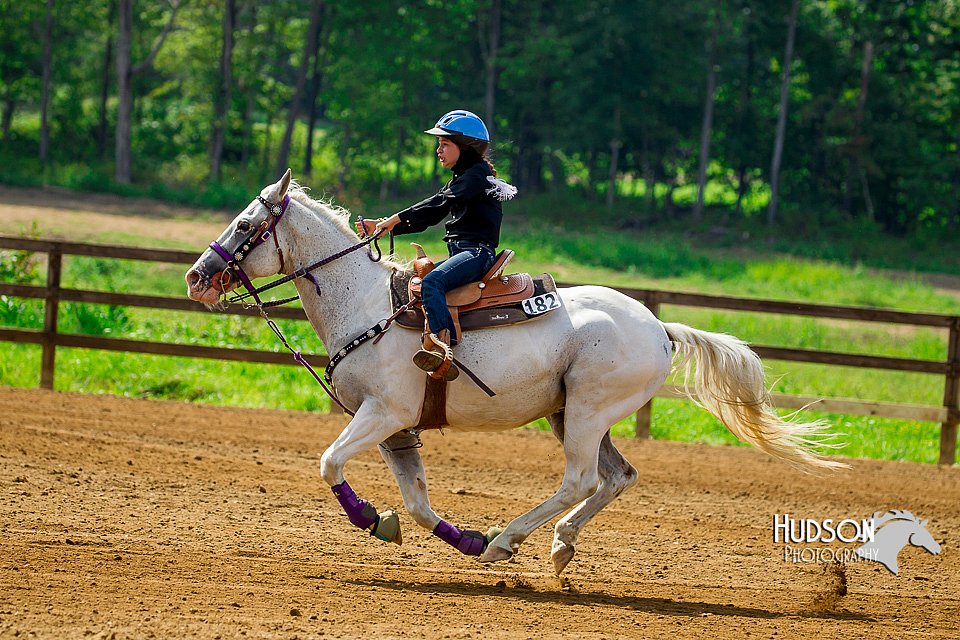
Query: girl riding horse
x: 472, y: 199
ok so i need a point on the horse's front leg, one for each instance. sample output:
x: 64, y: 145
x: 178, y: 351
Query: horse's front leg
x: 362, y: 433
x: 401, y: 455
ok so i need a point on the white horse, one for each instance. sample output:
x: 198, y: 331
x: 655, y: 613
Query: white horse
x: 583, y: 367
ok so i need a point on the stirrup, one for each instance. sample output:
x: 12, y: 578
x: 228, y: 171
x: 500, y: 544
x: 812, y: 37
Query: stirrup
x: 433, y: 363
x: 439, y: 364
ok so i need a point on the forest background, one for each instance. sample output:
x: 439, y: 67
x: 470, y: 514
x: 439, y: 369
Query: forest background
x: 813, y: 118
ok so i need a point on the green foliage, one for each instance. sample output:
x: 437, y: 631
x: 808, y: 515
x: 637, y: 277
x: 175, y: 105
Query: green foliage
x: 572, y: 81
x: 96, y: 320
x: 20, y: 267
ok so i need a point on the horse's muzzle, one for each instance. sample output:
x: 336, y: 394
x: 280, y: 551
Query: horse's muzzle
x: 207, y: 290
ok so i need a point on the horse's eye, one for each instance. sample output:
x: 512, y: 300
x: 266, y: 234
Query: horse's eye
x: 244, y: 226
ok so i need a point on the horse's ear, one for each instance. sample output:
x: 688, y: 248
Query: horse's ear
x: 283, y: 185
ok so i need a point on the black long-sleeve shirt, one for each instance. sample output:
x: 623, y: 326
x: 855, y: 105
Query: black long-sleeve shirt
x: 475, y: 215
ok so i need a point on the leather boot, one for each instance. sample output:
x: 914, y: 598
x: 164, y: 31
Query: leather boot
x: 436, y: 358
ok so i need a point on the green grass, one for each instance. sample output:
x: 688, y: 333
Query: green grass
x: 661, y: 260
x: 238, y: 384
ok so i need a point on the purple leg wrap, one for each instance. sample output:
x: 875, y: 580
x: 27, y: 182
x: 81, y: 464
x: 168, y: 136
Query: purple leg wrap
x: 471, y: 543
x: 360, y: 512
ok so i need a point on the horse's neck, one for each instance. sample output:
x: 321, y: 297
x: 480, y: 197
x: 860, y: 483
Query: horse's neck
x: 354, y: 290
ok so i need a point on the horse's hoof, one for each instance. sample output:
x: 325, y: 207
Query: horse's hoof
x: 494, y: 553
x: 561, y: 555
x: 492, y: 533
x: 388, y: 527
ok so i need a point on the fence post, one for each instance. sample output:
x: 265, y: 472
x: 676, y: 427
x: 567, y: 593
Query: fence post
x: 645, y: 412
x: 951, y: 398
x: 50, y: 311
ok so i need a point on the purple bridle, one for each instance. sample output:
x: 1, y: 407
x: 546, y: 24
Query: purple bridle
x: 260, y: 235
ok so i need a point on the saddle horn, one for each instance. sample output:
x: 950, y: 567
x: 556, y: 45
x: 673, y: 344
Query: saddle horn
x: 422, y: 264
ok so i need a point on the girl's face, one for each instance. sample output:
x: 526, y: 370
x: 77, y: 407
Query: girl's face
x: 448, y: 152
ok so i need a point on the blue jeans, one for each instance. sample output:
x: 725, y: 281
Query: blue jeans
x: 468, y: 262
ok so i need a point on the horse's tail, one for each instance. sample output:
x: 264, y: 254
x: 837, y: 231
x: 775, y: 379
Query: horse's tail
x: 723, y: 375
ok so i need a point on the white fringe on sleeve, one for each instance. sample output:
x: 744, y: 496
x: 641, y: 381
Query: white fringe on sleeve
x: 500, y: 190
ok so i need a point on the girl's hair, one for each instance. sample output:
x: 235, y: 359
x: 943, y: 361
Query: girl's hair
x: 467, y: 148
x: 489, y: 162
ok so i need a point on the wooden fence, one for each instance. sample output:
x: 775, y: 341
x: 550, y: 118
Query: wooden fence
x: 948, y: 414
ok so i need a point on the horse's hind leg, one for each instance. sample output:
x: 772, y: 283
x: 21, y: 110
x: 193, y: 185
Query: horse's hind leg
x: 616, y: 476
x: 580, y: 480
x: 400, y: 453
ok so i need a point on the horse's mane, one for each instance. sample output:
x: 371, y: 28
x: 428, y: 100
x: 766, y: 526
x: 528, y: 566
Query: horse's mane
x: 336, y: 214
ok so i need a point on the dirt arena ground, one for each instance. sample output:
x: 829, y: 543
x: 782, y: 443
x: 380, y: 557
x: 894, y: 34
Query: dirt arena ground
x: 124, y: 518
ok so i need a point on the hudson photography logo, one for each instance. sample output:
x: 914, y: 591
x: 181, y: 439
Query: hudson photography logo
x: 876, y: 539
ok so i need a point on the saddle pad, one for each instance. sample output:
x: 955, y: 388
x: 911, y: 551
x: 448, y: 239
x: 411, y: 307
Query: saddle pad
x: 543, y: 284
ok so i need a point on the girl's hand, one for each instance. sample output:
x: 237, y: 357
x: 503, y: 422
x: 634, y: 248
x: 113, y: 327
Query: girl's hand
x: 366, y: 227
x: 385, y: 225
x: 377, y: 227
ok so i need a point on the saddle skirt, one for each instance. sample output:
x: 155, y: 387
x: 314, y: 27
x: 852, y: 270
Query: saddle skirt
x: 494, y: 300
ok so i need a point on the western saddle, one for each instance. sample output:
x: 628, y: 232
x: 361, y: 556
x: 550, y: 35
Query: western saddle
x: 493, y: 300
x: 492, y: 290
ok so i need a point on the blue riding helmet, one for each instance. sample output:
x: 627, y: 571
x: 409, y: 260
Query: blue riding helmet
x: 461, y: 123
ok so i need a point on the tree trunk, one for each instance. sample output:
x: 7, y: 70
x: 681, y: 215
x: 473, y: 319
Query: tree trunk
x: 384, y: 186
x: 251, y: 97
x: 707, y: 125
x: 744, y: 111
x: 344, y: 167
x: 401, y: 135
x: 126, y: 70
x: 953, y: 216
x: 311, y: 116
x: 223, y: 95
x: 45, y: 83
x: 557, y: 177
x: 267, y: 142
x: 9, y: 105
x: 316, y: 80
x: 124, y: 91
x: 490, y: 48
x: 309, y: 48
x: 615, y: 144
x: 247, y: 134
x: 855, y: 174
x: 646, y: 166
x: 528, y: 167
x: 782, y: 118
x: 669, y: 206
x: 101, y: 142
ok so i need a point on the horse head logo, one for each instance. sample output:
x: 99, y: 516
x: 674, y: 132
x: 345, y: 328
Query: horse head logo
x: 899, y: 528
